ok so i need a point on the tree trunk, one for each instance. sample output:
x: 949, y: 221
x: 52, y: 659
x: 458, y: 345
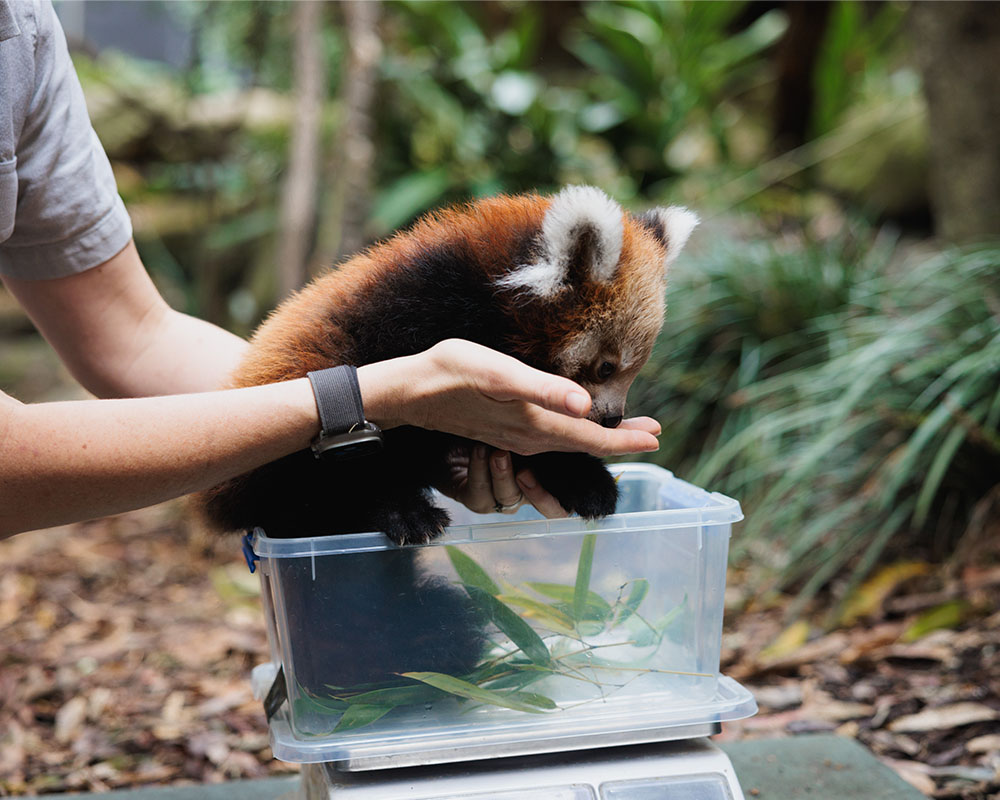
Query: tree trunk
x: 795, y: 62
x: 298, y: 197
x: 346, y: 230
x: 957, y: 45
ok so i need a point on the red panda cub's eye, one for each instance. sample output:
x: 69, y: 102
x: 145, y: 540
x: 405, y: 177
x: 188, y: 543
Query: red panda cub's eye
x: 605, y: 371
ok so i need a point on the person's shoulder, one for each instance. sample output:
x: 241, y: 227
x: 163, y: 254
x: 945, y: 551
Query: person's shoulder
x: 25, y: 22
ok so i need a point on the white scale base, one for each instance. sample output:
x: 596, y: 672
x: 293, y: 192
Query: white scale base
x: 692, y: 769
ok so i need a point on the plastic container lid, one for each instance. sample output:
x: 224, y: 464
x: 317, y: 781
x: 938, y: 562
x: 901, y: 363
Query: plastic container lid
x: 683, y: 505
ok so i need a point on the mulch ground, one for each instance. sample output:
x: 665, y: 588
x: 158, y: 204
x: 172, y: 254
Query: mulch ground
x: 126, y: 645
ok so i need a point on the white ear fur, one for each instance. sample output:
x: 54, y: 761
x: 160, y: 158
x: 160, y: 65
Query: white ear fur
x: 574, y: 212
x: 678, y: 223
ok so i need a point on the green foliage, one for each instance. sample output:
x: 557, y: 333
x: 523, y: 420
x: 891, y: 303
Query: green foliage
x: 658, y: 67
x: 872, y: 415
x: 479, y: 102
x: 522, y: 654
x: 738, y: 313
x: 861, y: 42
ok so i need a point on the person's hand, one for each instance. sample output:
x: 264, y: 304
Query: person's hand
x: 483, y: 480
x: 469, y: 390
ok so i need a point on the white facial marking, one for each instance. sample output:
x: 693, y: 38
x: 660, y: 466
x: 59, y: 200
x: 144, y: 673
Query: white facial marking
x: 575, y: 211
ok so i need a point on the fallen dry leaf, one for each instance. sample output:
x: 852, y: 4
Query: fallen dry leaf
x: 789, y: 641
x: 826, y: 647
x: 914, y: 773
x: 69, y: 719
x: 984, y: 744
x: 869, y: 599
x: 944, y: 718
x: 780, y: 697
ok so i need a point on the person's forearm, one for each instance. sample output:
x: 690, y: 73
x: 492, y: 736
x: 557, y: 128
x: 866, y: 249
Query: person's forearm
x: 61, y: 462
x: 177, y: 354
x: 119, y: 337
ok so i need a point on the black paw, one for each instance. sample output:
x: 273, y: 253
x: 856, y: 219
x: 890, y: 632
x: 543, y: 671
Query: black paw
x: 412, y: 523
x: 581, y: 483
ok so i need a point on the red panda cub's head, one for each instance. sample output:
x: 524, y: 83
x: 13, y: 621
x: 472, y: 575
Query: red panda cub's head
x: 591, y: 298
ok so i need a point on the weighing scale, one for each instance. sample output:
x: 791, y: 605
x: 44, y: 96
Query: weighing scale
x: 678, y: 762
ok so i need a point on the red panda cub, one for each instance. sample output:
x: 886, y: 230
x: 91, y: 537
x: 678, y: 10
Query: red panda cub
x: 570, y: 284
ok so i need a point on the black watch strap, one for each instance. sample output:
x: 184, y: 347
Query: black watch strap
x: 338, y: 398
x: 345, y: 433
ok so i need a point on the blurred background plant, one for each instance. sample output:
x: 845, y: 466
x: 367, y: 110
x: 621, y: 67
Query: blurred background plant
x: 825, y: 358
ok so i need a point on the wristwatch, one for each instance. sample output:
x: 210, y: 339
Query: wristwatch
x: 344, y: 431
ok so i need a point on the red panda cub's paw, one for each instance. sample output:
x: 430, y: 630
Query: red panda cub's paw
x: 409, y: 520
x: 580, y: 482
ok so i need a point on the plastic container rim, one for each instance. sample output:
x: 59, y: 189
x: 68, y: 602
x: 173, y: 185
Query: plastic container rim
x: 716, y: 509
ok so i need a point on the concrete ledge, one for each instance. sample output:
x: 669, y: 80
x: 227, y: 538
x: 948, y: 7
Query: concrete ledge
x: 815, y: 767
x: 263, y: 789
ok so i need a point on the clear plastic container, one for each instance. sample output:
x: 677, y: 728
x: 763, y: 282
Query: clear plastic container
x: 535, y: 629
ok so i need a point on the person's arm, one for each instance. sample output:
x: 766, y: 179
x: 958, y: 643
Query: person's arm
x: 67, y: 461
x: 118, y: 336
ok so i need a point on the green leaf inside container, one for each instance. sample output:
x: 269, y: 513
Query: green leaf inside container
x: 460, y: 688
x: 516, y: 629
x: 582, y: 588
x: 359, y: 715
x: 470, y: 572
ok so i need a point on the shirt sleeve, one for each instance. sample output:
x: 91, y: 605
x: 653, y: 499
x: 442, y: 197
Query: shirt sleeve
x: 69, y: 216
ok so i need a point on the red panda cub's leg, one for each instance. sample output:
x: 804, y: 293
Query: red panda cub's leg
x: 580, y: 482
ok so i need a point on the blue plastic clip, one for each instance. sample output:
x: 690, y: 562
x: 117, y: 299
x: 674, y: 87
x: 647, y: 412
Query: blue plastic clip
x: 249, y: 554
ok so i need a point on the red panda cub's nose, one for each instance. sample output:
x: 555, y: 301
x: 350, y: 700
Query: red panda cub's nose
x: 612, y: 422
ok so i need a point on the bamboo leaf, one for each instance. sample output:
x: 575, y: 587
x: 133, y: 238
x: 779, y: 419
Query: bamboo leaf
x: 533, y: 699
x: 507, y: 620
x: 460, y: 688
x: 470, y: 572
x: 548, y: 615
x: 640, y: 587
x: 583, y: 570
x: 325, y: 705
x: 397, y: 696
x: 520, y: 679
x: 596, y: 606
x: 652, y: 634
x: 357, y: 716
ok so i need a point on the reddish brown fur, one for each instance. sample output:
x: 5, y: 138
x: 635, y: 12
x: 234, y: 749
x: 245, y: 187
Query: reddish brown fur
x: 287, y: 344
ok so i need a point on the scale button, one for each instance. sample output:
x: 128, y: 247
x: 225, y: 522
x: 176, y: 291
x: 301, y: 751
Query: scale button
x: 710, y: 786
x: 573, y: 792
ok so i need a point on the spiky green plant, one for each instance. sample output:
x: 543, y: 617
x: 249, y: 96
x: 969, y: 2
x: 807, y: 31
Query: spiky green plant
x: 739, y: 313
x: 894, y: 433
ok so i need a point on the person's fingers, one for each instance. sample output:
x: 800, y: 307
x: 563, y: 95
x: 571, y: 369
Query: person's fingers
x: 647, y: 424
x: 505, y: 489
x: 479, y: 485
x: 504, y: 378
x: 544, y: 502
x: 541, y: 431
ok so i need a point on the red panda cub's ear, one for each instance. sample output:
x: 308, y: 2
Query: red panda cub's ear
x: 581, y: 241
x: 672, y: 226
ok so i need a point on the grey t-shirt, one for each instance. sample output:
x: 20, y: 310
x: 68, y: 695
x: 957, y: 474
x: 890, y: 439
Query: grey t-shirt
x: 60, y: 212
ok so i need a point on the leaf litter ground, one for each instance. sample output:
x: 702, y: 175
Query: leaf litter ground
x: 126, y: 645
